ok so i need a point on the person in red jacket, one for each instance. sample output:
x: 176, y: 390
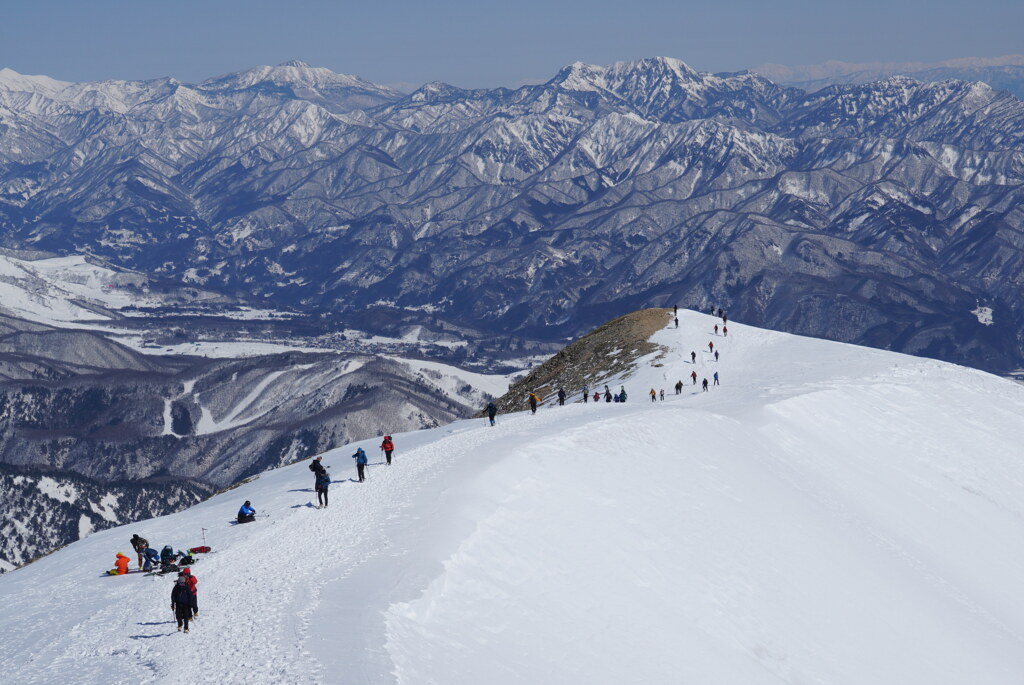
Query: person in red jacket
x: 192, y: 582
x: 388, y: 448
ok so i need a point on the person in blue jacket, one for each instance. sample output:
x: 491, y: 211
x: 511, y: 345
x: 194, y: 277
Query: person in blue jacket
x: 246, y: 514
x: 151, y: 558
x: 360, y: 457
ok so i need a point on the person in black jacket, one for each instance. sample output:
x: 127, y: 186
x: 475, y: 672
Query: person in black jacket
x: 139, y: 544
x: 181, y: 602
x: 492, y: 411
x: 561, y: 397
x: 322, y: 481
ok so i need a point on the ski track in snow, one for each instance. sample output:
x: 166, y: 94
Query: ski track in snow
x: 825, y: 515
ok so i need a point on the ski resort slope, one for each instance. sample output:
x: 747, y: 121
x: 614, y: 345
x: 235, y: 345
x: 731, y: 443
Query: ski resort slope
x: 829, y: 514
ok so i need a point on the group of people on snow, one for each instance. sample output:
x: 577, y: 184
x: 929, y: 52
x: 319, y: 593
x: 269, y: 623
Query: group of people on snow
x: 184, y: 596
x: 534, y: 398
x: 184, y: 602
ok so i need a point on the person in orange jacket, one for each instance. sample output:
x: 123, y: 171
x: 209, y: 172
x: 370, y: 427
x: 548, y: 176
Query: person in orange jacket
x: 121, y: 565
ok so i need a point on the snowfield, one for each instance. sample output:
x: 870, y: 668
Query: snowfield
x: 829, y: 514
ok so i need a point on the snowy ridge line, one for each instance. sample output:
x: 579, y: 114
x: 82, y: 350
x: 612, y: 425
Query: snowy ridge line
x: 828, y: 514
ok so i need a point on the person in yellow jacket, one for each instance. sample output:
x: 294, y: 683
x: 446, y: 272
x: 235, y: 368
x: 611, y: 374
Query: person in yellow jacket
x: 654, y: 395
x: 534, y: 401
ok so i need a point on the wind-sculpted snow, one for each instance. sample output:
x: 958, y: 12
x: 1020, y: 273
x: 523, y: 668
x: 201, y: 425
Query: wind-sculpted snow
x: 828, y: 513
x: 546, y: 209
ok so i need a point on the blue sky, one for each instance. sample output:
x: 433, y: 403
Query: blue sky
x: 483, y: 43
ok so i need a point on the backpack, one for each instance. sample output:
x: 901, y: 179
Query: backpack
x: 167, y: 553
x: 198, y: 550
x: 186, y: 560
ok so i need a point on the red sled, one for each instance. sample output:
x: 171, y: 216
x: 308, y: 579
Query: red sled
x: 198, y: 550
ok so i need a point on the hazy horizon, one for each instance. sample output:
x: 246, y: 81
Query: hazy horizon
x: 486, y: 45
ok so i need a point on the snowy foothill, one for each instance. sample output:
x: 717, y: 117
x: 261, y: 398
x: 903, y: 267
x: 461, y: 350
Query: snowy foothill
x: 828, y: 514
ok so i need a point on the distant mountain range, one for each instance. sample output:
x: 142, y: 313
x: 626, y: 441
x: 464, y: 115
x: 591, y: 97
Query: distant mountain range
x: 1002, y: 73
x: 885, y: 213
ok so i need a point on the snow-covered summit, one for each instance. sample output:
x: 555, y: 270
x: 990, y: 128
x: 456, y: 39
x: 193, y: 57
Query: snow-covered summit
x: 12, y: 80
x: 828, y: 514
x: 294, y: 72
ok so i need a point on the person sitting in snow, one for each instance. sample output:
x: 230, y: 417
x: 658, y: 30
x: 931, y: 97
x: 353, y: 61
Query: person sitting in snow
x: 120, y: 565
x: 246, y: 514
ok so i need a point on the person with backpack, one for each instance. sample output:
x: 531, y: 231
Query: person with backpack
x: 607, y: 394
x: 561, y: 397
x: 168, y: 560
x: 597, y: 396
x: 716, y: 378
x: 711, y: 346
x: 181, y: 602
x: 693, y: 375
x: 186, y: 573
x: 321, y: 481
x: 693, y: 357
x: 662, y: 394
x: 533, y: 402
x: 622, y: 393
x: 318, y: 469
x: 492, y: 411
x: 679, y: 387
x: 361, y: 460
x: 586, y: 394
x: 705, y: 385
x: 654, y: 395
x: 725, y: 331
x: 716, y: 329
x: 246, y: 514
x: 716, y: 355
x: 388, y: 446
x: 139, y: 544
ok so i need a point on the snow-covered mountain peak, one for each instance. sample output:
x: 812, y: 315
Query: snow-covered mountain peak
x: 293, y: 73
x: 12, y: 80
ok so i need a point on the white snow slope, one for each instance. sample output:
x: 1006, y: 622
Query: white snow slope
x: 829, y: 514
